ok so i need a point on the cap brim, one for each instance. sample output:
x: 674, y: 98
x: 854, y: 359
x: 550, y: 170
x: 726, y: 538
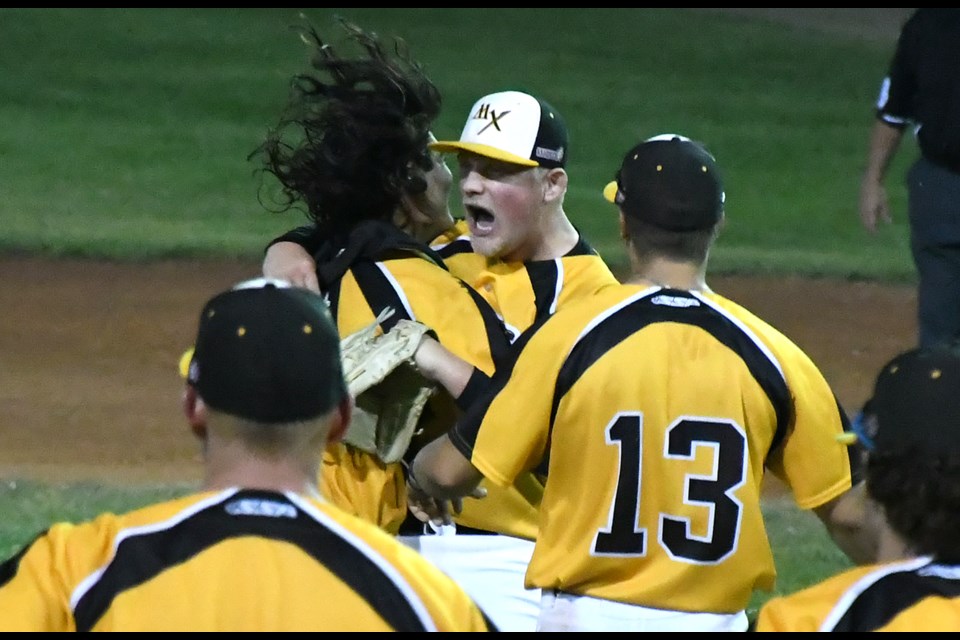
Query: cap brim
x: 610, y: 192
x: 857, y: 433
x: 447, y: 146
x: 183, y: 366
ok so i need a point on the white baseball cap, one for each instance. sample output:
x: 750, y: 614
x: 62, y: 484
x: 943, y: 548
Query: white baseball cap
x: 514, y: 127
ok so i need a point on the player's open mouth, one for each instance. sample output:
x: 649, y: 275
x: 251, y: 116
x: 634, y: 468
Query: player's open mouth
x: 480, y: 220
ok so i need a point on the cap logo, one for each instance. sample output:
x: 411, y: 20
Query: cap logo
x: 486, y: 112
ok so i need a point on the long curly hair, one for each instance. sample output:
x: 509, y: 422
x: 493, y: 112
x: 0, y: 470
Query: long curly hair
x: 920, y: 495
x: 353, y: 137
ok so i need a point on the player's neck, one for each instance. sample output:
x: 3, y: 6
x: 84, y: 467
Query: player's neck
x: 558, y: 237
x: 666, y: 273
x: 252, y: 472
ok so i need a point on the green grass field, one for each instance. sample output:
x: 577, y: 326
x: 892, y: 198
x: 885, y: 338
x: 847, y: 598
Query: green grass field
x: 126, y: 133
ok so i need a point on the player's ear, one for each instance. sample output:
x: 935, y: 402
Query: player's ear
x: 195, y: 411
x: 554, y: 185
x: 624, y: 234
x: 340, y: 419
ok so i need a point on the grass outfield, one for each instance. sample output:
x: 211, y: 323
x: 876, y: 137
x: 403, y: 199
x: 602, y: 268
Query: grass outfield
x: 126, y: 131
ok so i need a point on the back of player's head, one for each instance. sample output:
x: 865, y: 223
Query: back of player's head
x: 670, y: 182
x: 916, y: 402
x: 911, y: 430
x: 267, y: 352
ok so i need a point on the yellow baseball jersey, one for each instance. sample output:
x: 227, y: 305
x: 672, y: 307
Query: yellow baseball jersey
x: 914, y: 595
x: 417, y: 289
x: 651, y: 414
x: 455, y: 248
x: 525, y: 294
x: 233, y: 560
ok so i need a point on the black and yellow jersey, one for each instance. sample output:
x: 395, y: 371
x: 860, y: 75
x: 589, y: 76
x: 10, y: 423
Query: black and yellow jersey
x: 417, y: 287
x: 651, y: 414
x: 525, y: 294
x: 413, y: 284
x: 230, y: 560
x: 913, y: 595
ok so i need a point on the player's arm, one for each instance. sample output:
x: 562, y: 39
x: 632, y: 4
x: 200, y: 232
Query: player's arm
x: 288, y: 257
x: 440, y: 477
x: 874, y: 207
x: 442, y: 472
x: 439, y: 364
x: 849, y: 521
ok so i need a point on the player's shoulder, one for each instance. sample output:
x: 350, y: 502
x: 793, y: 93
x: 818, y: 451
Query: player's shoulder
x: 85, y: 542
x: 459, y: 232
x: 579, y: 312
x: 771, y: 335
x: 422, y: 575
x: 587, y: 267
x: 809, y: 608
x: 154, y: 512
x: 377, y: 540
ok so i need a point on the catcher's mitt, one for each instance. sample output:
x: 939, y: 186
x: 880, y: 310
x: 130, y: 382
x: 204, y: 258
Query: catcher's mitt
x: 389, y: 390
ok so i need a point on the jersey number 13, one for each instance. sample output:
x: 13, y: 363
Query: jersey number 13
x: 715, y: 493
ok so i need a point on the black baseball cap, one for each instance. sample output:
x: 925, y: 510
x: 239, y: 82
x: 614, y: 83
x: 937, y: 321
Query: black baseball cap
x: 671, y: 182
x: 268, y: 352
x: 515, y: 127
x: 915, y: 404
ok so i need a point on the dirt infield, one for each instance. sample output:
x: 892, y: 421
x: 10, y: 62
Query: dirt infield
x: 88, y: 355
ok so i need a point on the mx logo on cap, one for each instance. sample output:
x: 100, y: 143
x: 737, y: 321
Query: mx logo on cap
x: 513, y: 127
x: 504, y: 125
x: 488, y: 112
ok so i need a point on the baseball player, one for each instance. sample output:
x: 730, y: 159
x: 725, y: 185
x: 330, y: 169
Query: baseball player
x: 909, y: 428
x: 377, y: 194
x: 651, y: 410
x: 257, y: 548
x: 517, y: 248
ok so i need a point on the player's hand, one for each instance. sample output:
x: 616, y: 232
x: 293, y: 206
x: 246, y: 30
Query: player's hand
x: 426, y: 508
x: 291, y: 262
x: 874, y: 206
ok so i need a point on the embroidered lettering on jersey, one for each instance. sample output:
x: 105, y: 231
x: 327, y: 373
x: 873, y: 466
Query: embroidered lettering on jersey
x: 486, y: 112
x: 255, y: 507
x: 675, y: 301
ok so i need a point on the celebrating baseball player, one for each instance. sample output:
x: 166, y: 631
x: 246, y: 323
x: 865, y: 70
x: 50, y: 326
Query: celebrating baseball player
x: 517, y: 249
x: 909, y: 429
x: 352, y: 149
x: 376, y: 194
x: 257, y: 549
x: 651, y: 411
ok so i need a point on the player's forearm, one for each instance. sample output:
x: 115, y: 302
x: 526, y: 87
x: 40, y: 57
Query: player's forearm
x: 884, y: 142
x: 437, y: 363
x: 442, y: 472
x: 851, y: 522
x: 290, y: 261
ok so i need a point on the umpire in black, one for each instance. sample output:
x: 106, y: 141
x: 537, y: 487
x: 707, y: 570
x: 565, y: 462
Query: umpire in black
x: 922, y: 89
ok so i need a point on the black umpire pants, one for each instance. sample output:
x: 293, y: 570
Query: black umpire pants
x: 934, y: 208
